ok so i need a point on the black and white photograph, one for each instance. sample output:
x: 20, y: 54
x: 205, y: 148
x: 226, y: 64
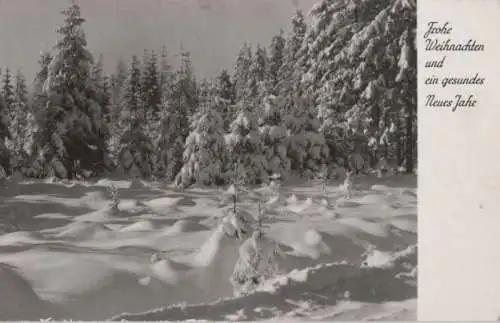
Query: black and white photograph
x: 208, y: 160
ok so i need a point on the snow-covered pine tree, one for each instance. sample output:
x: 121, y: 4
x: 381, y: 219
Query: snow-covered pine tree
x: 101, y: 85
x: 4, y: 135
x: 245, y: 147
x: 275, y: 138
x: 102, y: 94
x: 204, y: 149
x: 166, y: 77
x: 21, y: 126
x: 117, y: 86
x: 71, y: 130
x: 9, y: 100
x: 276, y: 58
x: 259, y: 84
x: 150, y: 86
x: 37, y: 156
x: 406, y: 79
x: 179, y: 107
x: 135, y: 148
x: 225, y: 91
x: 242, y: 71
x: 168, y: 117
x: 8, y: 92
x: 187, y: 87
x: 288, y: 76
x: 353, y: 49
x: 151, y: 98
x: 307, y: 148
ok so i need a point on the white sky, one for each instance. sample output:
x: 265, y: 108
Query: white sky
x: 212, y: 30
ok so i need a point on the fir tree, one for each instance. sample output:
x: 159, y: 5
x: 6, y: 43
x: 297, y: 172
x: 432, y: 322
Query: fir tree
x: 151, y: 94
x: 276, y: 57
x: 21, y: 126
x: 72, y: 131
x: 204, y: 149
x: 117, y: 85
x: 275, y: 138
x: 135, y: 148
x: 4, y: 134
x: 242, y: 71
x: 178, y: 112
x: 8, y: 91
x: 245, y: 146
x: 225, y: 91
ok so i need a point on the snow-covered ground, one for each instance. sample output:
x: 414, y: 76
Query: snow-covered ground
x: 64, y: 254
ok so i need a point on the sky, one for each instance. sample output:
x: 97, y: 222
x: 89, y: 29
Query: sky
x: 211, y: 30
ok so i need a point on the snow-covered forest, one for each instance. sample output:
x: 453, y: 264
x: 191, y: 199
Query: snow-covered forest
x: 338, y: 91
x: 283, y: 188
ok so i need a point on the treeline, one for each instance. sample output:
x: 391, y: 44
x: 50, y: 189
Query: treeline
x: 339, y: 91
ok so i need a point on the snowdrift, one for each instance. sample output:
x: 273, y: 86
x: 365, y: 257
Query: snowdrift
x: 164, y: 249
x: 310, y: 289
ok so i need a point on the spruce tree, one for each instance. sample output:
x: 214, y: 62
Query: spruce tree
x: 4, y: 135
x: 204, y: 149
x: 225, y: 91
x: 72, y: 131
x: 245, y: 147
x: 242, y: 71
x: 276, y: 57
x: 8, y: 91
x: 135, y: 151
x: 21, y: 126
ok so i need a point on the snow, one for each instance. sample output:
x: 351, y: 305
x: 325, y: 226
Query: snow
x: 75, y: 259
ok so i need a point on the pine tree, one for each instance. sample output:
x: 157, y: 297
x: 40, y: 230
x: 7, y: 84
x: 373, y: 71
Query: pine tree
x: 117, y: 85
x: 151, y: 86
x: 179, y: 109
x: 245, y: 147
x: 135, y: 151
x: 4, y: 135
x: 187, y: 87
x: 152, y: 95
x: 204, y: 149
x: 277, y: 57
x: 225, y: 91
x: 8, y: 91
x: 166, y: 76
x: 168, y: 117
x: 287, y: 74
x: 72, y: 131
x: 275, y: 138
x: 242, y: 71
x: 21, y: 126
x: 349, y: 62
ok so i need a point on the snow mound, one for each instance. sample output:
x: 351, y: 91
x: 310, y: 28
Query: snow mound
x: 19, y: 301
x: 311, y: 245
x: 408, y: 192
x: 163, y: 202
x: 380, y: 188
x: 110, y: 183
x: 183, y: 226
x: 19, y: 238
x: 104, y: 215
x: 208, y: 252
x: 310, y: 289
x: 52, y: 216
x: 83, y: 231
x: 292, y: 200
x: 139, y: 226
x: 168, y: 271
